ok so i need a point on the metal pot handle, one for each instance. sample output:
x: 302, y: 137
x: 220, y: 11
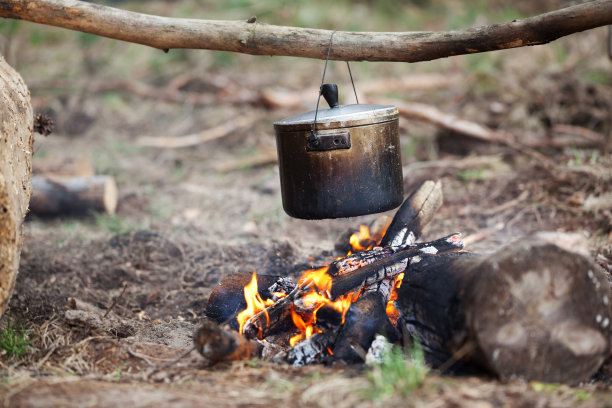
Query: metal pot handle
x: 330, y: 93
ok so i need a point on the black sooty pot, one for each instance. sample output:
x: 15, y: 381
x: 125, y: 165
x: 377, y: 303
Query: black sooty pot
x: 344, y: 163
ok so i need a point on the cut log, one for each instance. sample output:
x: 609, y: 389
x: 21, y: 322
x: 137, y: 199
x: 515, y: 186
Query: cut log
x: 16, y: 125
x: 533, y: 310
x: 217, y: 344
x: 76, y: 195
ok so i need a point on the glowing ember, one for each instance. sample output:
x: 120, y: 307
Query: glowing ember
x: 255, y: 303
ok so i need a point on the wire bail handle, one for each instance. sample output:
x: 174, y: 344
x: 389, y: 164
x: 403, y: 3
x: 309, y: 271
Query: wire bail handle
x: 312, y: 138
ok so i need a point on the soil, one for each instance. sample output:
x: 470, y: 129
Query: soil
x: 187, y: 217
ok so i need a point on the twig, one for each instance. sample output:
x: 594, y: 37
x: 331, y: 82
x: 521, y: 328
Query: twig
x: 262, y: 158
x: 116, y: 300
x: 196, y: 138
x: 433, y: 115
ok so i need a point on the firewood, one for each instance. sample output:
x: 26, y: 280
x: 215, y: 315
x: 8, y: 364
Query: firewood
x: 227, y: 298
x: 365, y: 318
x: 534, y: 310
x: 217, y: 344
x: 262, y: 39
x: 416, y: 211
x: 356, y: 272
x: 390, y: 265
x: 16, y: 123
x: 76, y: 195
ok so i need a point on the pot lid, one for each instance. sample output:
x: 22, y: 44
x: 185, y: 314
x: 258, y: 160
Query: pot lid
x: 339, y: 116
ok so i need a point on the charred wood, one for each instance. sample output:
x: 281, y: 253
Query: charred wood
x: 365, y: 318
x: 316, y: 348
x: 227, y: 298
x: 217, y: 344
x: 390, y: 265
x: 416, y: 211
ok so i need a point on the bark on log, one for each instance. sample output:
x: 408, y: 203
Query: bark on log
x: 75, y: 195
x: 532, y: 310
x: 261, y: 39
x: 16, y: 125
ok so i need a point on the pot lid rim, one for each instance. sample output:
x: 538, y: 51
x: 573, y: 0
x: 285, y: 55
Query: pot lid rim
x: 343, y: 116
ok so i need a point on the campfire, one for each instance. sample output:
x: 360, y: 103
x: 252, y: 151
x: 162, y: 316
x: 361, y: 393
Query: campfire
x: 499, y: 313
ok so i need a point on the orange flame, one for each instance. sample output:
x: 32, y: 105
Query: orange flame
x: 320, y: 284
x: 306, y: 329
x: 317, y: 277
x: 364, y: 240
x: 255, y: 303
x: 392, y: 312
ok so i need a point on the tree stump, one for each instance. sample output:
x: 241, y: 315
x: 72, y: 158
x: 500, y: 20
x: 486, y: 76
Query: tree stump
x: 16, y: 126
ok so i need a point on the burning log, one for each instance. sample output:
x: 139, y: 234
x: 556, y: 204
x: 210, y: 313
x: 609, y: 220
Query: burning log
x: 534, y: 309
x: 74, y: 195
x: 227, y: 299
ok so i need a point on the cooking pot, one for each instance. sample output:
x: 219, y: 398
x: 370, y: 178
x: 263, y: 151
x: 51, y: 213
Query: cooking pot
x: 340, y: 162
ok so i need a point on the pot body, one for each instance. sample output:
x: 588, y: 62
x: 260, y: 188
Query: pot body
x: 363, y: 178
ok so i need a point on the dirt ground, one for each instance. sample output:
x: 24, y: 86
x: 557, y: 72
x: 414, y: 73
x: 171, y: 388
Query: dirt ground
x: 189, y: 216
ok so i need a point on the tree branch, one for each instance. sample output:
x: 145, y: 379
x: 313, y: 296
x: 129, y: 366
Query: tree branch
x: 262, y: 39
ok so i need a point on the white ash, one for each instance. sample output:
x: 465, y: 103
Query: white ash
x: 283, y: 285
x: 377, y: 349
x: 429, y: 250
x: 404, y: 237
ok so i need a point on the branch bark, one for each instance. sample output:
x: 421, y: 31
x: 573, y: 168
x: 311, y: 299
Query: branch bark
x: 262, y: 39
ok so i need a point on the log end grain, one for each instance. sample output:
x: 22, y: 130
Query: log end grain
x: 539, y: 312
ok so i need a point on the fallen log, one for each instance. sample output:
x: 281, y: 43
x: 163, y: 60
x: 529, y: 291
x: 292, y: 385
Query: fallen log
x: 73, y: 195
x: 16, y: 126
x: 535, y: 309
x: 252, y: 37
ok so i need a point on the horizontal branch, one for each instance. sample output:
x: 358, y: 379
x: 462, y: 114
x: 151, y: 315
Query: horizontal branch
x: 261, y: 39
